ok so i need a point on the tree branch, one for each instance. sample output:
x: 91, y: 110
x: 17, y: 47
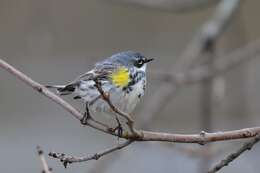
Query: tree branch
x: 201, y: 138
x: 71, y: 159
x: 105, y: 96
x: 45, y: 166
x: 231, y: 157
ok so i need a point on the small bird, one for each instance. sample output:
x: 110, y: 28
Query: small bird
x: 122, y: 76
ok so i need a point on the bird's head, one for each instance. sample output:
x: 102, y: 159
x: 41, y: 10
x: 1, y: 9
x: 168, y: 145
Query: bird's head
x: 131, y: 59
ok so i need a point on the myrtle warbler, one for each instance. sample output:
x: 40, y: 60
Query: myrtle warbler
x: 123, y: 76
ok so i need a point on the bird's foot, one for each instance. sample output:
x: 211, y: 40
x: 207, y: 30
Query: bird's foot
x: 118, y: 130
x: 85, y: 118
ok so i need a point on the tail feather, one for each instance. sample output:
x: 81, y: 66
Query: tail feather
x: 62, y: 89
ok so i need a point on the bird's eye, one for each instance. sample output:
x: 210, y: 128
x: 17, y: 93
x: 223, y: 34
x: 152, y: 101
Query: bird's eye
x: 139, y: 63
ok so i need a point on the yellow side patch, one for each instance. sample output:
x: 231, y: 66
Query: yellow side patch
x: 120, y: 77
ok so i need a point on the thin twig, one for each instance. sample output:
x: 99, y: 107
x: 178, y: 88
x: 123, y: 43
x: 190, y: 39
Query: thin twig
x: 107, y: 99
x: 71, y: 159
x: 45, y: 166
x: 231, y: 157
x: 105, y: 96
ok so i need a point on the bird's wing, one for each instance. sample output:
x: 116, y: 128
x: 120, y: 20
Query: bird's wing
x: 114, y: 72
x: 104, y: 70
x: 101, y: 71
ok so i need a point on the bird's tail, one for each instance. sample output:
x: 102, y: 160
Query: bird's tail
x: 63, y: 89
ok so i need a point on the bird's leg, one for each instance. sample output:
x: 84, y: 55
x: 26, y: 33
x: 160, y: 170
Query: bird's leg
x: 118, y: 128
x: 86, y: 117
x: 105, y: 96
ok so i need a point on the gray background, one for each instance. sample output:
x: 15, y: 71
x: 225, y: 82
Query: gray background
x: 54, y: 41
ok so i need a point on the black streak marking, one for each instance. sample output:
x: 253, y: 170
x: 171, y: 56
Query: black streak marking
x: 135, y: 78
x: 77, y: 97
x: 70, y: 88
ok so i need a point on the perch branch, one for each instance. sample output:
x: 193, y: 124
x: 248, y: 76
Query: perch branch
x: 201, y: 138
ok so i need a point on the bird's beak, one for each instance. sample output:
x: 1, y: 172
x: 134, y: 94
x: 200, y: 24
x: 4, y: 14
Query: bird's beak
x: 148, y: 60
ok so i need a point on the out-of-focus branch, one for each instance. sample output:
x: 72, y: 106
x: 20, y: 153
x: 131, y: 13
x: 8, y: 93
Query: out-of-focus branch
x: 227, y: 62
x: 221, y: 65
x: 231, y: 157
x: 172, y: 5
x: 208, y: 33
x: 45, y: 166
x: 71, y: 159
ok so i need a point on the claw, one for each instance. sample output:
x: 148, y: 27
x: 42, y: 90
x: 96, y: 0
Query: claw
x: 85, y: 118
x: 119, y: 130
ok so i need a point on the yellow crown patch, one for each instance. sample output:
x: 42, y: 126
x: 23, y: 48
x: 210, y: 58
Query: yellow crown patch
x: 120, y: 77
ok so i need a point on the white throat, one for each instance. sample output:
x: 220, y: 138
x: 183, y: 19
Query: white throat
x: 143, y: 68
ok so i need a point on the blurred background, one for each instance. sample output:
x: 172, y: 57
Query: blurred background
x: 54, y: 41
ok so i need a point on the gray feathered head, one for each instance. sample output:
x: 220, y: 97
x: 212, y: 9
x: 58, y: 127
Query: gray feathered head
x: 129, y: 59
